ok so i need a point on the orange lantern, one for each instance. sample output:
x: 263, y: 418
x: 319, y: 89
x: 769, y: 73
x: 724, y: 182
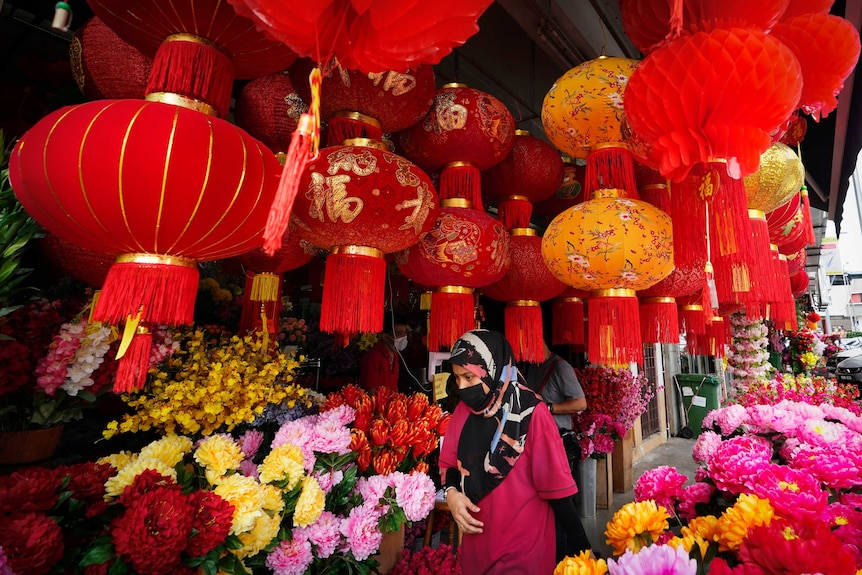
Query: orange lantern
x: 779, y: 178
x: 611, y: 246
x: 582, y: 115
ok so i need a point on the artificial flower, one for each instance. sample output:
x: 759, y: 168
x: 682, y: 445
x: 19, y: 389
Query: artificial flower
x: 29, y: 489
x: 414, y: 494
x: 218, y: 454
x: 284, y: 462
x: 733, y: 525
x: 662, y: 484
x: 804, y: 546
x: 247, y: 497
x: 310, y: 503
x: 791, y: 492
x: 581, y: 564
x: 126, y: 476
x: 33, y: 543
x: 362, y: 531
x: 636, y: 525
x: 291, y: 557
x: 654, y: 559
x: 324, y: 534
x: 169, y: 449
x: 211, y: 522
x: 692, y: 495
x: 705, y: 445
x: 737, y: 461
x: 146, y: 481
x: 264, y: 529
x: 5, y: 569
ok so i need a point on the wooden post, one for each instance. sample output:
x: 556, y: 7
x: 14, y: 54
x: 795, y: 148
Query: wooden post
x: 622, y: 464
x: 604, y: 483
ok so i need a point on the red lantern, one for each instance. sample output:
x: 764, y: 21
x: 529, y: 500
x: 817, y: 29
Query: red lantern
x: 527, y: 283
x: 139, y: 182
x: 531, y: 173
x: 706, y: 15
x: 105, y: 66
x: 827, y: 48
x: 269, y: 108
x: 370, y: 36
x: 658, y: 320
x: 716, y: 335
x: 793, y: 132
x: 787, y: 227
x: 783, y: 306
x: 360, y: 202
x: 693, y: 314
x: 712, y: 95
x: 796, y: 262
x: 647, y: 22
x: 570, y: 193
x: 567, y: 327
x: 465, y: 132
x: 358, y: 104
x: 84, y: 265
x: 466, y: 249
x: 799, y: 7
x: 799, y: 283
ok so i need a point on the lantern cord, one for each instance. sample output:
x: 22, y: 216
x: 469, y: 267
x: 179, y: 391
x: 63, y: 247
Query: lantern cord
x: 711, y: 290
x: 425, y: 388
x: 304, y: 149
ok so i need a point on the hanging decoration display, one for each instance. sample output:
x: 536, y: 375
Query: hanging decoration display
x: 85, y: 265
x: 717, y: 94
x: 360, y: 201
x: 787, y: 227
x: 799, y: 283
x: 779, y: 178
x: 611, y: 247
x: 269, y: 109
x: 647, y: 22
x: 582, y: 115
x: 532, y: 172
x: 105, y: 66
x: 466, y: 249
x: 567, y: 323
x: 466, y: 132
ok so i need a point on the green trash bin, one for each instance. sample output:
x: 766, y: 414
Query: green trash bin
x: 700, y: 395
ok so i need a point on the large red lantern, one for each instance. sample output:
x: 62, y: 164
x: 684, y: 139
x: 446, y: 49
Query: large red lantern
x: 570, y: 193
x: 799, y: 7
x: 706, y: 15
x: 787, y: 227
x: 466, y: 132
x: 370, y: 36
x: 269, y: 108
x: 799, y: 283
x: 712, y: 95
x: 827, y: 48
x: 796, y: 262
x: 532, y: 172
x: 527, y: 283
x: 105, y: 66
x: 85, y: 265
x: 647, y: 22
x: 360, y: 201
x: 466, y: 249
x: 162, y: 185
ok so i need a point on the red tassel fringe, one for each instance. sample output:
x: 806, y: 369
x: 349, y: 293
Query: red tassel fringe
x: 452, y: 315
x: 808, y: 226
x: 764, y: 277
x: 659, y: 320
x: 195, y: 70
x: 165, y: 292
x: 462, y: 181
x: 524, y: 331
x: 133, y: 366
x: 716, y: 336
x: 353, y: 294
x: 514, y: 213
x: 611, y: 167
x: 614, y: 331
x: 688, y: 214
x: 692, y: 320
x: 784, y: 313
x: 342, y: 128
x: 567, y: 326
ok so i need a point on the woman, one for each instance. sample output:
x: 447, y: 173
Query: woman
x: 504, y: 466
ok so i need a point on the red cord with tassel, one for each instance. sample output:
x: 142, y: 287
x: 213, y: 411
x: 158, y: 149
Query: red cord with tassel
x: 807, y: 224
x: 304, y: 146
x: 453, y: 313
x: 523, y: 326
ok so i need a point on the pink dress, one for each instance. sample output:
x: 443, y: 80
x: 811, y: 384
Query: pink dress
x: 519, y: 532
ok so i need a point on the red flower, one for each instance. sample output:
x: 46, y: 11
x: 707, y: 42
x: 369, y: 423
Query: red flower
x: 380, y: 431
x: 385, y: 462
x: 399, y: 433
x: 30, y: 489
x: 33, y: 543
x: 154, y: 531
x: 87, y: 480
x: 416, y: 406
x: 807, y: 546
x: 146, y: 481
x: 97, y: 569
x: 212, y: 521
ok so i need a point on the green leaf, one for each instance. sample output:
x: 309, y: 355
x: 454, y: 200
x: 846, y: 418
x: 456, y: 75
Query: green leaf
x: 99, y: 553
x: 209, y: 567
x: 87, y: 396
x: 119, y: 567
x: 233, y: 543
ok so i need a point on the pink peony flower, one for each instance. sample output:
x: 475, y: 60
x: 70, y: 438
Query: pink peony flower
x: 343, y: 414
x: 737, y: 461
x: 291, y: 557
x: 727, y: 418
x: 250, y: 442
x: 705, y: 445
x: 655, y: 560
x: 362, y: 532
x: 824, y: 433
x: 768, y: 418
x: 329, y: 435
x: 692, y: 495
x: 662, y: 484
x: 324, y: 534
x: 792, y: 493
x: 844, y: 415
x: 415, y: 495
x: 372, y: 488
x: 836, y: 467
x: 328, y: 479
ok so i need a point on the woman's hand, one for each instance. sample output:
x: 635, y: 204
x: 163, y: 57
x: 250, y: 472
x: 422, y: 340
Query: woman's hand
x: 460, y: 506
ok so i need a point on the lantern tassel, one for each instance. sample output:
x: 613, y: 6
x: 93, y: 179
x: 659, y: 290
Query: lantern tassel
x: 453, y: 313
x: 353, y: 291
x: 764, y: 280
x: 515, y: 212
x: 265, y: 287
x: 807, y: 225
x: 462, y: 180
x: 715, y: 333
x: 134, y: 364
x: 611, y: 167
x: 659, y: 320
x: 523, y: 326
x: 567, y: 327
x: 303, y: 150
x: 346, y: 127
x: 614, y: 328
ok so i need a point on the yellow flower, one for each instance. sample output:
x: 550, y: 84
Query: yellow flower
x: 247, y: 497
x: 264, y: 529
x: 687, y: 542
x: 310, y: 503
x: 583, y: 564
x: 635, y: 525
x: 170, y: 449
x: 272, y: 499
x: 126, y: 476
x: 218, y: 454
x: 283, y: 461
x: 748, y: 511
x: 705, y: 526
x: 118, y: 460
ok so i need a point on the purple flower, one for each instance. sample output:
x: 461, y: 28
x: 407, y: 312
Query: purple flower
x: 662, y: 484
x: 5, y: 568
x: 691, y: 496
x: 654, y: 560
x: 362, y: 532
x: 415, y: 495
x: 324, y: 534
x: 291, y: 557
x: 249, y: 468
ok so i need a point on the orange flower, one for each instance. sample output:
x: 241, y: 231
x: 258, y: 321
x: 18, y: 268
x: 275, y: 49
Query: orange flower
x: 397, y: 409
x: 421, y: 467
x: 399, y: 433
x: 363, y: 458
x: 384, y: 462
x: 443, y: 424
x: 416, y: 406
x: 358, y: 440
x: 380, y: 431
x: 353, y: 395
x: 364, y: 414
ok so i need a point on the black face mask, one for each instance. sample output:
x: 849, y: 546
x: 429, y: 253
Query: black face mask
x: 475, y: 397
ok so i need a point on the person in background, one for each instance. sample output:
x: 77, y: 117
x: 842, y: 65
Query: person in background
x: 379, y: 365
x: 503, y: 466
x: 555, y: 380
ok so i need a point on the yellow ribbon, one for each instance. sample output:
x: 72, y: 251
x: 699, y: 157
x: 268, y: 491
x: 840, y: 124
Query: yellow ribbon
x: 129, y: 331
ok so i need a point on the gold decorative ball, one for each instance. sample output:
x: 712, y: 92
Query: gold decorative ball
x: 780, y: 176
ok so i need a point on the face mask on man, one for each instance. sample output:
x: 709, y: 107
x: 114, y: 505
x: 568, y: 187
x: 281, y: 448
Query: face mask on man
x: 400, y: 343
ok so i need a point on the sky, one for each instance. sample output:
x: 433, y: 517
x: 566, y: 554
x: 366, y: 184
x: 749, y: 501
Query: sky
x: 850, y: 241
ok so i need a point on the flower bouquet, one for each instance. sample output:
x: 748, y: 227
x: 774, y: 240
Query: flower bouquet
x: 805, y: 351
x: 293, y: 331
x: 596, y: 433
x: 617, y: 393
x: 749, y: 358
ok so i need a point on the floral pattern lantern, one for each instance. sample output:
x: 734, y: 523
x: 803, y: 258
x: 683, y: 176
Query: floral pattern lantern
x: 582, y: 115
x: 778, y: 179
x: 466, y: 249
x: 465, y: 132
x: 611, y: 246
x: 360, y: 201
x: 527, y: 283
x: 532, y: 172
x: 717, y: 94
x: 269, y: 109
x: 161, y: 185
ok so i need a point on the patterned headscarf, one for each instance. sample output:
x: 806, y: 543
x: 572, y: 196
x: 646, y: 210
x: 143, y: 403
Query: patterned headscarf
x: 493, y: 439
